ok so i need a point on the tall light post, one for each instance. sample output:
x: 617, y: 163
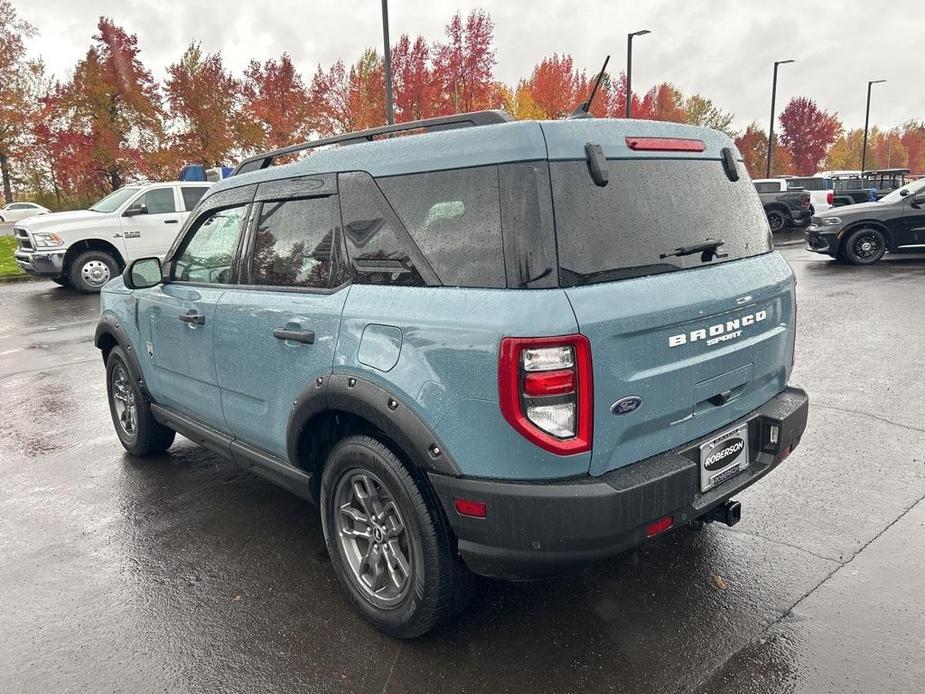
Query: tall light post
x: 389, y: 115
x: 767, y: 173
x: 866, y: 124
x: 629, y: 69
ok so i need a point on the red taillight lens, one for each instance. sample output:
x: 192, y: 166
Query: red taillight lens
x: 545, y: 389
x: 805, y: 202
x: 543, y: 383
x: 664, y: 144
x: 830, y: 198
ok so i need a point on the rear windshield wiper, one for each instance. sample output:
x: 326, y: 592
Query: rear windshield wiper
x: 708, y: 250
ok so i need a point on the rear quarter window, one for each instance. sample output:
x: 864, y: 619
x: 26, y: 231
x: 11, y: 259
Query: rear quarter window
x: 651, y: 207
x: 454, y: 217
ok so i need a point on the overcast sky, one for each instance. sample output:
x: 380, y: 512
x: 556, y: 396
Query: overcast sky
x: 723, y: 49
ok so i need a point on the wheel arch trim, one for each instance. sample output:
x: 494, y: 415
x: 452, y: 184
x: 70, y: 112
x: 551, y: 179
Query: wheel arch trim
x: 109, y: 328
x: 389, y: 413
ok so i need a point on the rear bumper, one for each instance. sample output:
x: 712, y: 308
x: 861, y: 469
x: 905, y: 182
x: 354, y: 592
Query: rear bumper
x: 536, y: 529
x: 802, y: 217
x: 41, y: 263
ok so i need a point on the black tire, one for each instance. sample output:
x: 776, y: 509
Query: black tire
x: 436, y: 585
x: 63, y: 281
x: 90, y: 270
x: 139, y: 433
x: 777, y: 220
x: 864, y: 246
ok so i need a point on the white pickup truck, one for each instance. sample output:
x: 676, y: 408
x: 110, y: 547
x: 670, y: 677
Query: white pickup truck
x: 85, y: 249
x: 820, y: 189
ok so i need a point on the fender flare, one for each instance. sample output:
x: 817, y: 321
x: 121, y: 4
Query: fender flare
x: 387, y: 412
x: 110, y: 325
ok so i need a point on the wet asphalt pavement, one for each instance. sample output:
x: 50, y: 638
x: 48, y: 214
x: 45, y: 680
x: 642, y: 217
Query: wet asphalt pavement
x: 185, y: 573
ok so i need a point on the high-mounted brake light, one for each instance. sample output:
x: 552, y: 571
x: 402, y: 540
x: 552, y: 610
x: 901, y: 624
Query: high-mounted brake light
x: 545, y: 388
x: 665, y: 144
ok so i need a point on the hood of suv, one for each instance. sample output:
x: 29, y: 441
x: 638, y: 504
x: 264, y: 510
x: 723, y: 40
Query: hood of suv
x: 62, y: 221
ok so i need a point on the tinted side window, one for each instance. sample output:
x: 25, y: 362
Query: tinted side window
x: 379, y: 248
x: 293, y: 245
x: 208, y: 254
x: 192, y: 195
x: 454, y: 217
x: 766, y: 187
x: 158, y: 201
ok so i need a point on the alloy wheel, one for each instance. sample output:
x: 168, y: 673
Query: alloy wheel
x: 373, y: 538
x: 123, y: 399
x: 867, y: 246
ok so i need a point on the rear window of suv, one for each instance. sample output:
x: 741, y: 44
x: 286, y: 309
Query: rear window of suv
x: 651, y: 207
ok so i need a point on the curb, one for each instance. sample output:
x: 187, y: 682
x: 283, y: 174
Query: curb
x: 14, y: 279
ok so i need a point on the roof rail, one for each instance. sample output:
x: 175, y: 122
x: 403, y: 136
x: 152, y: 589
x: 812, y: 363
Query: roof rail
x: 459, y: 120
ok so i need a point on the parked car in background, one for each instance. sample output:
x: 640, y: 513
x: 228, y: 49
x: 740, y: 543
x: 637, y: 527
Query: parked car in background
x: 861, y: 234
x: 848, y: 187
x: 821, y: 194
x: 783, y: 207
x: 20, y: 210
x: 885, y: 181
x: 85, y: 249
x: 479, y: 348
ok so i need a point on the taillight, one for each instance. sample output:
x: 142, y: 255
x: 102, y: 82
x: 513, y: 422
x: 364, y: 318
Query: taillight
x: 545, y: 388
x: 805, y: 201
x: 830, y: 198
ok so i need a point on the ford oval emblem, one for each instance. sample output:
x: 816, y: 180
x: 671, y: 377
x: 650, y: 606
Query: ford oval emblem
x: 626, y: 405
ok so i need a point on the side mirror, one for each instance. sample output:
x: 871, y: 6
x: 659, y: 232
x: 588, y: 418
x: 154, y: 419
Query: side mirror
x: 143, y: 273
x: 136, y: 210
x: 919, y: 200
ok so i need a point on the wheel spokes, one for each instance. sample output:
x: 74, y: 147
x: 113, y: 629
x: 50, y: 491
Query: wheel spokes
x: 364, y: 489
x: 397, y: 563
x: 371, y: 568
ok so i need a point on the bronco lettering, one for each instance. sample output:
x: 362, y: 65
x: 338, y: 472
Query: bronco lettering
x: 720, y: 332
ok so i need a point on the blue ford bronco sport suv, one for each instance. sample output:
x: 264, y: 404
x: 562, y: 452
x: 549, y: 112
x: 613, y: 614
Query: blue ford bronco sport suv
x: 506, y: 348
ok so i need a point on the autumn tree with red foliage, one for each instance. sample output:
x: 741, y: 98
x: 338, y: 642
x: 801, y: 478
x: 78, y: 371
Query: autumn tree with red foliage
x: 753, y: 144
x: 204, y: 103
x: 415, y: 86
x: 806, y: 133
x: 464, y: 65
x: 108, y: 116
x: 276, y: 109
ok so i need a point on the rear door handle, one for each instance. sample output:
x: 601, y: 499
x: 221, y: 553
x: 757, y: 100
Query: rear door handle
x: 193, y: 317
x: 171, y: 221
x: 306, y: 336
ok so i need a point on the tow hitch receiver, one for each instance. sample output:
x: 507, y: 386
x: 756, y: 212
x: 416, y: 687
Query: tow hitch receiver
x: 728, y: 512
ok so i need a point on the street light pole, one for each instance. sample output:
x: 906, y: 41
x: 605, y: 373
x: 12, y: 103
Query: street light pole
x: 389, y: 115
x: 629, y: 69
x: 778, y: 63
x: 866, y: 124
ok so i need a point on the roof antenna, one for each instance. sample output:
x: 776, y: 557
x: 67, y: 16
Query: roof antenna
x: 584, y: 110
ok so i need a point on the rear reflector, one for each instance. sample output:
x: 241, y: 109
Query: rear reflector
x: 664, y: 144
x: 468, y: 507
x: 659, y: 526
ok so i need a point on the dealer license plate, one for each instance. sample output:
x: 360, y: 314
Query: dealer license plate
x: 723, y: 457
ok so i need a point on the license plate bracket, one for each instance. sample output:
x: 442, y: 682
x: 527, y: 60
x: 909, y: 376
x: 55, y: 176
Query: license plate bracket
x: 723, y: 457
